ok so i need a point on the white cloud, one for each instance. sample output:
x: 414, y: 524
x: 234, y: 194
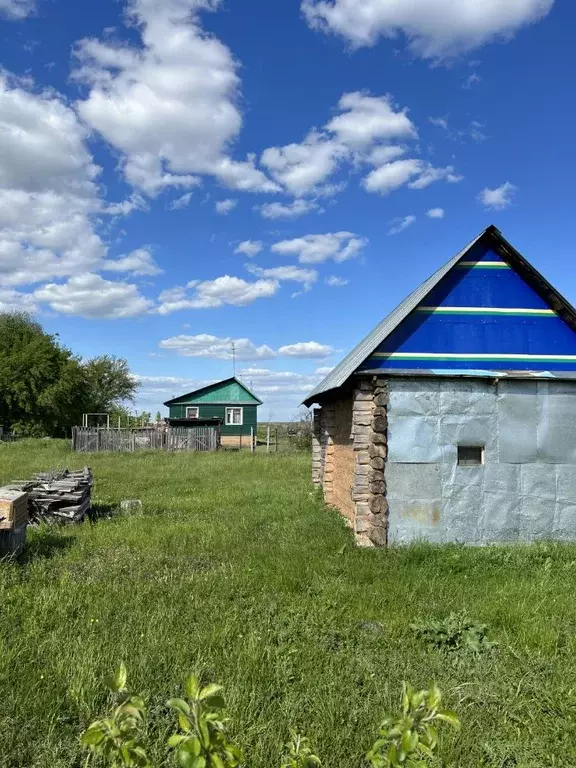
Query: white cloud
x: 314, y: 249
x: 441, y: 122
x: 225, y: 206
x: 300, y: 168
x: 287, y: 210
x: 433, y: 28
x: 205, y: 345
x: 138, y: 262
x: 249, y: 248
x: 282, y: 388
x: 91, y: 296
x: 435, y: 213
x: 306, y: 349
x: 181, y: 202
x: 324, y: 370
x: 411, y: 171
x: 366, y: 129
x: 15, y: 301
x: 384, y: 154
x: 48, y: 191
x: 471, y: 80
x: 210, y: 294
x: 399, y: 225
x: 366, y: 119
x: 16, y: 9
x: 169, y: 104
x: 334, y: 282
x: 133, y: 203
x: 499, y: 198
x: 390, y: 176
x: 296, y: 274
x: 430, y: 174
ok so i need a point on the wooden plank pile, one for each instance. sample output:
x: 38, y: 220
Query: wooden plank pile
x: 60, y: 496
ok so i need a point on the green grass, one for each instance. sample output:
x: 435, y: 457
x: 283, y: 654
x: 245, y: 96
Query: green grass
x: 238, y: 572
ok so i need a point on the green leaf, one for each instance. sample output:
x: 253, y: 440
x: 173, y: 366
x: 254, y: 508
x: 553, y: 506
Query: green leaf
x: 192, y: 687
x: 121, y: 677
x: 449, y: 717
x: 216, y: 701
x: 184, y: 723
x: 92, y: 736
x: 216, y: 761
x: 185, y: 759
x: 209, y: 690
x: 192, y: 745
x: 179, y: 705
x: 176, y: 739
x: 199, y: 762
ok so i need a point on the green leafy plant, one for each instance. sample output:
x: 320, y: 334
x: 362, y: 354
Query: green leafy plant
x: 201, y: 741
x: 117, y: 740
x: 455, y: 633
x: 410, y: 739
x: 299, y: 754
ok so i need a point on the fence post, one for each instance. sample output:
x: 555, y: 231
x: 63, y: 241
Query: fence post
x: 251, y: 439
x: 276, y: 440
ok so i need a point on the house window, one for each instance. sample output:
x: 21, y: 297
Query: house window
x: 470, y: 455
x: 234, y: 416
x: 192, y: 412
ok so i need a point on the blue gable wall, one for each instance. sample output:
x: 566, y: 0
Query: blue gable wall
x: 481, y: 316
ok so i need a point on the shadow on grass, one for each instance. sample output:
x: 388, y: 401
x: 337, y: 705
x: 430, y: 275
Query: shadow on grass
x: 101, y: 512
x: 44, y: 545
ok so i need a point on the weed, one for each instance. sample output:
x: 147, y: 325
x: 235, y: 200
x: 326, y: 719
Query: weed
x: 201, y: 741
x: 410, y: 739
x: 456, y: 633
x: 118, y: 739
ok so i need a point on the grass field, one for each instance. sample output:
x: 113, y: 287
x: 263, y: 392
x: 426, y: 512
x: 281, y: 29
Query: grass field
x: 238, y: 572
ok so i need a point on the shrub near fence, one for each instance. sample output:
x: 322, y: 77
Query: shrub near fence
x: 93, y: 440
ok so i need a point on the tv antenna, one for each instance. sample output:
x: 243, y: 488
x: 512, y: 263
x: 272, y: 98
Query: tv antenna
x: 234, y: 359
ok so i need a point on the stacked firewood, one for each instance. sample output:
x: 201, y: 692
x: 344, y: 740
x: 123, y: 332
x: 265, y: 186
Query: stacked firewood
x: 59, y: 496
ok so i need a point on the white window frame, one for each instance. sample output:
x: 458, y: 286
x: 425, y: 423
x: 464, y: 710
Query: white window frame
x: 192, y: 408
x: 230, y: 418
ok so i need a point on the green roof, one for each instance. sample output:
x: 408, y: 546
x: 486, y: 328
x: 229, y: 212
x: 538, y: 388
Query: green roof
x: 228, y: 392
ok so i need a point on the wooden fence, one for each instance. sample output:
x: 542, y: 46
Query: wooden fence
x: 93, y: 440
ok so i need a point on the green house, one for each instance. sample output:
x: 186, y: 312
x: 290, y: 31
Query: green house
x: 228, y: 404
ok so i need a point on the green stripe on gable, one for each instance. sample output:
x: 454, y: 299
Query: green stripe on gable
x: 479, y: 358
x: 482, y: 265
x: 510, y: 312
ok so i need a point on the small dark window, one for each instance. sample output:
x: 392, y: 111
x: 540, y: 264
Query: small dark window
x: 470, y: 455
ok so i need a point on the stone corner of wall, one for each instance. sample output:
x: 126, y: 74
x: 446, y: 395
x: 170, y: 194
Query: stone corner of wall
x: 369, y: 434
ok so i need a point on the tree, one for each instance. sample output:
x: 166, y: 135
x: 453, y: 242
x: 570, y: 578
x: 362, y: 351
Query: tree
x: 109, y: 383
x: 42, y: 385
x: 45, y: 388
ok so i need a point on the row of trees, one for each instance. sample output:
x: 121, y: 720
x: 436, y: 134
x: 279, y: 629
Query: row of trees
x: 45, y: 388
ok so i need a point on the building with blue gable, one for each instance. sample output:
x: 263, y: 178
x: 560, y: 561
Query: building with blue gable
x: 455, y: 419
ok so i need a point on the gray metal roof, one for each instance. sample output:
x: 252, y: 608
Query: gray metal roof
x: 350, y: 363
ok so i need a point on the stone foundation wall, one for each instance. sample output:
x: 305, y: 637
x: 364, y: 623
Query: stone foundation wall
x: 349, y: 453
x: 369, y: 430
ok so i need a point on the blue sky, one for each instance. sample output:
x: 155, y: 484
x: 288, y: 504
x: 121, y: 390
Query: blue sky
x: 178, y: 174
